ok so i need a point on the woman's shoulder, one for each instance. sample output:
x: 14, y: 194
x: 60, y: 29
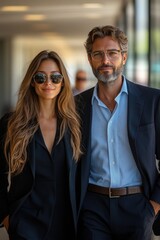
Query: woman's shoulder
x: 4, y: 119
x: 4, y: 122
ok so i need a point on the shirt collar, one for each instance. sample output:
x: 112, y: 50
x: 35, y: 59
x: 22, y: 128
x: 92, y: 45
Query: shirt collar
x: 123, y: 89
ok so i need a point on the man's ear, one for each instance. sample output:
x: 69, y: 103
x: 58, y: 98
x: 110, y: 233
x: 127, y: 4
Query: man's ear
x: 125, y: 56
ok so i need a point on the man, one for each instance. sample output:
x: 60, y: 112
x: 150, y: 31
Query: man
x: 118, y: 179
x: 80, y: 82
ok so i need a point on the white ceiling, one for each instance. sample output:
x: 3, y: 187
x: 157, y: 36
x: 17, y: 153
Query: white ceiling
x: 66, y: 18
x: 65, y: 27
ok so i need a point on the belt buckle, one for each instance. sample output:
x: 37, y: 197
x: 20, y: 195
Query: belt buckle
x: 110, y: 194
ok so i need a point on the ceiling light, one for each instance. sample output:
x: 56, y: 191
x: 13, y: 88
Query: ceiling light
x: 92, y: 5
x: 14, y: 8
x: 34, y: 17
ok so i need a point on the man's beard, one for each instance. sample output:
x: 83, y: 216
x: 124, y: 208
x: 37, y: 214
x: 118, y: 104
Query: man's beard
x: 105, y: 77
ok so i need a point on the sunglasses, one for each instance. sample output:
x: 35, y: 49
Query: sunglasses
x: 40, y: 77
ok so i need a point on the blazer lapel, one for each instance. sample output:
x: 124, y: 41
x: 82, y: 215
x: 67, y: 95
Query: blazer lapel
x: 85, y: 111
x: 31, y: 156
x: 135, y: 107
x: 71, y: 166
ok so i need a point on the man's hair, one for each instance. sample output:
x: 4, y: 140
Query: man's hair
x: 101, y: 32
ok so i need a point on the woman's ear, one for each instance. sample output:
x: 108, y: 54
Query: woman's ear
x: 32, y: 84
x: 62, y: 85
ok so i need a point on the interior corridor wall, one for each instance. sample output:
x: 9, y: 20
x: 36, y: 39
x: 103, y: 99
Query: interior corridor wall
x: 5, y: 74
x: 18, y: 52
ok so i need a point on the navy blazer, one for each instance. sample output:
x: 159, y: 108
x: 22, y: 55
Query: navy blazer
x: 143, y: 133
x: 21, y: 185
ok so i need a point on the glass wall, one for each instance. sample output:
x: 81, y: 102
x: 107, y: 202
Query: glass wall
x: 130, y: 32
x: 155, y: 44
x: 141, y: 41
x: 135, y: 22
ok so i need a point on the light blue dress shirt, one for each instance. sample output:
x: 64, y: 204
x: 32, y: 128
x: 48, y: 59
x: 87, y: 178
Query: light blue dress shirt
x: 112, y: 162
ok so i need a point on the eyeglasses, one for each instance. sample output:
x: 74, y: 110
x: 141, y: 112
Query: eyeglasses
x: 112, y: 55
x: 40, y: 77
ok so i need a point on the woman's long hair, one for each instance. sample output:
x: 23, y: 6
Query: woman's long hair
x: 23, y: 123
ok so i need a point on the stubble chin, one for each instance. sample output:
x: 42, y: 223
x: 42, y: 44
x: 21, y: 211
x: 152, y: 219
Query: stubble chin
x: 107, y: 77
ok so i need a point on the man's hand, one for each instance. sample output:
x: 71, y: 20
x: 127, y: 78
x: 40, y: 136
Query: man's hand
x: 156, y: 206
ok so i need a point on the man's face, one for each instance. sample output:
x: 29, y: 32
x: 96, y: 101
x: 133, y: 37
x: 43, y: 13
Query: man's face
x: 107, y: 60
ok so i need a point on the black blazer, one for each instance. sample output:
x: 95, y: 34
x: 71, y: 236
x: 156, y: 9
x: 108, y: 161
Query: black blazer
x: 21, y: 185
x: 143, y: 133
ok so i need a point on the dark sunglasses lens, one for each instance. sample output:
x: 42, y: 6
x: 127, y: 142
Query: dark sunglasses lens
x: 56, y: 78
x: 39, y: 78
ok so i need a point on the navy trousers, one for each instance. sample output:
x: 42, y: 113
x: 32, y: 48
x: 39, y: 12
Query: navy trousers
x: 127, y: 217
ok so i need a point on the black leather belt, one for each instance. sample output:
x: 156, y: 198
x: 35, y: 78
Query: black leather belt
x: 114, y: 192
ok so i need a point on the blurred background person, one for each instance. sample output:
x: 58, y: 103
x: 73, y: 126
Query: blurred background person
x: 81, y: 82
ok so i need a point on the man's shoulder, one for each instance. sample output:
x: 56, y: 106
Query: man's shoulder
x: 83, y: 100
x: 142, y: 88
x: 87, y: 94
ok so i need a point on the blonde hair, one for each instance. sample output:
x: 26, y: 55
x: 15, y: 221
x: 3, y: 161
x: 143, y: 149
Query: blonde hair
x: 23, y: 122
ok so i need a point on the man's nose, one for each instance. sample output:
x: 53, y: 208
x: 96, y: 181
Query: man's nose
x: 106, y: 57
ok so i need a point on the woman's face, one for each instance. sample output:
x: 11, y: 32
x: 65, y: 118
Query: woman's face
x: 48, y: 80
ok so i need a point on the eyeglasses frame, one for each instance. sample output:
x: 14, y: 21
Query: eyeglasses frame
x: 106, y: 53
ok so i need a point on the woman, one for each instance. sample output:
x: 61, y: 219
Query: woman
x: 39, y: 147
